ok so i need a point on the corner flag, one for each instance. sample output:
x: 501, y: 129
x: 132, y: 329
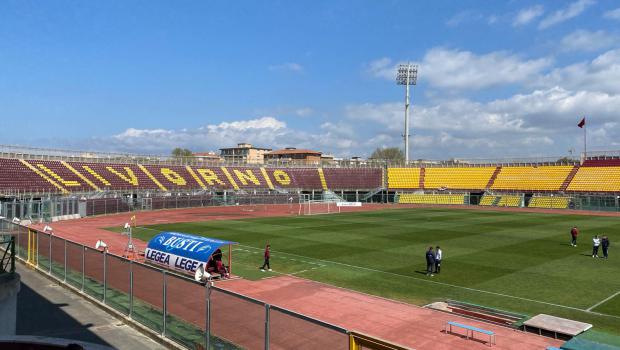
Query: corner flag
x: 582, y: 123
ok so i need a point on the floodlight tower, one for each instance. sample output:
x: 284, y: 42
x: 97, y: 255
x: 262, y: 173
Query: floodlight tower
x: 407, y: 75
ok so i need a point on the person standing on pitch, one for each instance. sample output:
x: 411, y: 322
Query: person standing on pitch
x: 267, y: 256
x: 605, y: 245
x: 430, y: 261
x: 438, y: 257
x: 596, y: 242
x: 574, y: 232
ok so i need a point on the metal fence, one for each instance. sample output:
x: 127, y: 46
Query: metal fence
x: 610, y: 203
x: 191, y: 314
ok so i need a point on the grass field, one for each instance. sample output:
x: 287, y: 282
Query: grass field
x: 519, y: 262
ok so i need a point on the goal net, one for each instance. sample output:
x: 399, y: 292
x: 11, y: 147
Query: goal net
x: 309, y: 206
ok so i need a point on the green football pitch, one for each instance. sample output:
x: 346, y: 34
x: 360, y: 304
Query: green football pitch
x: 519, y: 262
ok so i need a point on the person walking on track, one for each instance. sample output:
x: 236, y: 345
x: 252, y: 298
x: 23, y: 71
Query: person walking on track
x: 438, y: 257
x: 267, y: 256
x: 430, y: 261
x: 574, y: 232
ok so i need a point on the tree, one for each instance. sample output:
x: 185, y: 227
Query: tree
x: 389, y: 153
x: 181, y: 152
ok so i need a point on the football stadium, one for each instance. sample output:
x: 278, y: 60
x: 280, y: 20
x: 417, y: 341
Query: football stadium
x: 347, y: 241
x: 310, y: 175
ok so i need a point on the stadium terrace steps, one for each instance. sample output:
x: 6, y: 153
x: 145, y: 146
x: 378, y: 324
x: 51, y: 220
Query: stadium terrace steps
x: 404, y: 178
x: 422, y: 175
x: 549, y: 202
x: 408, y: 198
x: 531, y: 178
x: 569, y: 178
x: 462, y: 178
x: 596, y: 179
x: 493, y: 177
x: 61, y: 176
x: 353, y: 178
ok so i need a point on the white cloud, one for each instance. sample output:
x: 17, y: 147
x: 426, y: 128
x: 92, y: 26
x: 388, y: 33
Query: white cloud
x: 304, y: 111
x: 456, y: 69
x: 463, y: 17
x: 559, y: 16
x: 527, y: 15
x: 535, y: 123
x: 584, y: 40
x: 601, y: 74
x: 612, y: 14
x: 288, y: 66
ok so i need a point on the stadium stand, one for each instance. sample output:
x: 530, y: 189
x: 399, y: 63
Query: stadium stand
x: 551, y: 202
x: 61, y: 176
x: 409, y: 198
x: 353, y: 178
x: 509, y: 201
x: 488, y: 200
x: 531, y: 178
x: 403, y: 178
x: 596, y: 179
x: 458, y: 178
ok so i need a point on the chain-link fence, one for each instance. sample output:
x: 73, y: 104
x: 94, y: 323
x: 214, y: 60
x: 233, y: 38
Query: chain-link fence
x: 193, y: 315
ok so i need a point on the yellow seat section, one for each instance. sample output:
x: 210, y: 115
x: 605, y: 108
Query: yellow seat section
x: 458, y: 178
x: 403, y: 177
x: 432, y: 198
x: 509, y: 201
x: 542, y: 178
x: 488, y: 200
x: 596, y: 179
x: 552, y: 202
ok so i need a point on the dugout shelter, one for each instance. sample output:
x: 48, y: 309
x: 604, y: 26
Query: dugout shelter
x: 183, y: 252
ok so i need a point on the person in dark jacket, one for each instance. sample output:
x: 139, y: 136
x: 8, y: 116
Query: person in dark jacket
x: 574, y: 232
x: 605, y: 246
x: 430, y: 261
x: 267, y: 256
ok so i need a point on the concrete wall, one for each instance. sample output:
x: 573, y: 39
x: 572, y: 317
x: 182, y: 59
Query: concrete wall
x: 9, y: 287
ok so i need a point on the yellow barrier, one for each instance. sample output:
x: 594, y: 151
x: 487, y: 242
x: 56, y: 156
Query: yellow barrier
x: 359, y: 341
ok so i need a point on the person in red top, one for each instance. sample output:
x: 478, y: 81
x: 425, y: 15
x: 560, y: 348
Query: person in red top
x: 267, y: 256
x: 574, y: 232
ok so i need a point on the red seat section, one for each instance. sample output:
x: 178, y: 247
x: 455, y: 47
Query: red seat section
x: 305, y: 178
x: 173, y: 176
x: 61, y: 174
x: 602, y: 162
x: 16, y: 176
x: 353, y: 178
x: 108, y: 176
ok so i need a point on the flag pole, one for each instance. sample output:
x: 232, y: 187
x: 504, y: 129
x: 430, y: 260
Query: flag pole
x: 585, y: 143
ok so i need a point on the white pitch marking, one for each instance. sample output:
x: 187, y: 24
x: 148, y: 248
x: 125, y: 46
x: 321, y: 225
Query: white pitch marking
x: 603, y: 301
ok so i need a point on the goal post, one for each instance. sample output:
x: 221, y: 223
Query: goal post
x: 309, y: 206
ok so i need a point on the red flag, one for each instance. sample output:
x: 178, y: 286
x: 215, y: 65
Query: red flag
x: 582, y: 123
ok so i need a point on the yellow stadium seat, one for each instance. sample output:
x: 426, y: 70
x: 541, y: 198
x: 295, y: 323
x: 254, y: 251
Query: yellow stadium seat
x: 527, y: 178
x: 409, y: 198
x: 596, y: 179
x: 551, y: 202
x: 403, y: 177
x: 458, y: 178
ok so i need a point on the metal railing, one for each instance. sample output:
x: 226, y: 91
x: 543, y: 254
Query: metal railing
x: 33, y: 153
x: 191, y: 314
x: 7, y: 255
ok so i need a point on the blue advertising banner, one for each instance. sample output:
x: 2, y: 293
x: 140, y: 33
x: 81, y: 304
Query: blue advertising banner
x: 181, y: 251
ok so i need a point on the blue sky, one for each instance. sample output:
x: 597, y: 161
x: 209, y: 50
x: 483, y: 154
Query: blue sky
x: 496, y: 79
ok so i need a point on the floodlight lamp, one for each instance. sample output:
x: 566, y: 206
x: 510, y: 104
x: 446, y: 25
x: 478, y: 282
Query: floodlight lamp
x: 16, y: 220
x: 127, y: 225
x: 48, y: 228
